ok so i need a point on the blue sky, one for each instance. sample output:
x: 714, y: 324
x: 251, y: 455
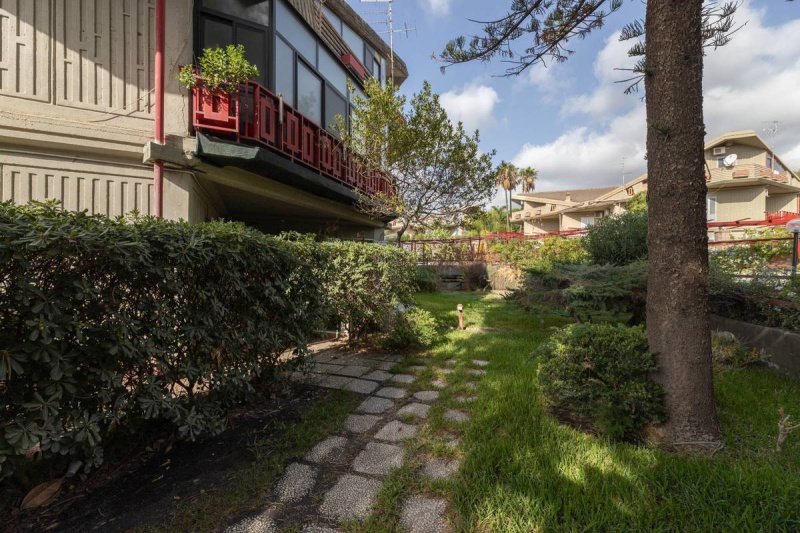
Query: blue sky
x: 572, y: 121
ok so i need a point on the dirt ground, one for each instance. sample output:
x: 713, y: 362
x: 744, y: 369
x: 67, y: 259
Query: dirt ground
x: 157, y: 474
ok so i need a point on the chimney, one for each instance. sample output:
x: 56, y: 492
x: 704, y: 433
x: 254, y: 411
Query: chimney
x: 568, y: 197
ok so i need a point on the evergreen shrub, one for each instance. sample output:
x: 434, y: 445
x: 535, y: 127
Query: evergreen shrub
x: 618, y: 240
x: 600, y: 374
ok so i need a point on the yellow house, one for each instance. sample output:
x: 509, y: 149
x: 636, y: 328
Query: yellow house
x: 746, y: 182
x: 746, y: 179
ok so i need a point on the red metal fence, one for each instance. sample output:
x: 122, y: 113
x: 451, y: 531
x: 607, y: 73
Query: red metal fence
x: 478, y: 249
x: 254, y: 115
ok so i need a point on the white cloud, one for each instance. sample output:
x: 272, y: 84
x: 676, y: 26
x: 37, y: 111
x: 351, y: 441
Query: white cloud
x: 437, y: 7
x: 473, y: 105
x: 748, y: 84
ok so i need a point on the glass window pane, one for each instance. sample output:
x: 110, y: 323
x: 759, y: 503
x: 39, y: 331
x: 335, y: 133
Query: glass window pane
x: 295, y: 32
x: 254, y: 11
x: 334, y: 105
x: 355, y: 42
x: 216, y: 32
x: 333, y: 18
x: 332, y: 70
x: 284, y: 71
x: 254, y: 42
x: 309, y: 93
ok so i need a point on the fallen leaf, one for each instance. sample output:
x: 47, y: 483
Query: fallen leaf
x: 41, y: 494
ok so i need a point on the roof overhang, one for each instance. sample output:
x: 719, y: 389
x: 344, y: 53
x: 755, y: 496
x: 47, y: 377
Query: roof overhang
x: 775, y: 187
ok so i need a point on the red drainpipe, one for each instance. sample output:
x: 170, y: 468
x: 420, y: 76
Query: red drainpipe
x: 158, y: 166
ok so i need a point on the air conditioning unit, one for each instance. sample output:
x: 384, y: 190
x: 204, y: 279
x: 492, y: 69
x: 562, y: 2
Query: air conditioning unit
x: 719, y: 150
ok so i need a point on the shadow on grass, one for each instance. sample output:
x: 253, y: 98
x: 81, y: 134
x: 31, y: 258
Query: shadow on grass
x: 525, y: 472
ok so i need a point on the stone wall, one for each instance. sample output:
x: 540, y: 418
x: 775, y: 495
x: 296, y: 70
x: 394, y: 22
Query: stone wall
x: 781, y: 347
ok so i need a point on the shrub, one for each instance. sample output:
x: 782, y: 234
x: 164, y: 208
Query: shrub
x: 222, y: 69
x: 618, y: 240
x: 415, y: 328
x: 589, y: 293
x: 754, y: 257
x: 540, y: 254
x: 105, y: 323
x: 364, y: 282
x: 426, y: 279
x: 599, y: 373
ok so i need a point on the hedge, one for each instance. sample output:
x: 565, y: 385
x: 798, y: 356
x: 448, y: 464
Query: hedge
x: 364, y: 282
x: 105, y: 324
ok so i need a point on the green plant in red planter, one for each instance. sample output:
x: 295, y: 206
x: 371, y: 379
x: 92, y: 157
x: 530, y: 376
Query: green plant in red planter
x: 218, y: 73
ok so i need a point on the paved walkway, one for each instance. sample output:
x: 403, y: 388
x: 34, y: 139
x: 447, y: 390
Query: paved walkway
x: 338, y: 481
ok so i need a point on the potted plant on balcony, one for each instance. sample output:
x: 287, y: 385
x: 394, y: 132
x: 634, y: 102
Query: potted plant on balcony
x: 216, y: 78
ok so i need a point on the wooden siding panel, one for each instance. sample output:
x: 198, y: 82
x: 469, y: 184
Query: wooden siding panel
x: 96, y: 193
x: 25, y: 49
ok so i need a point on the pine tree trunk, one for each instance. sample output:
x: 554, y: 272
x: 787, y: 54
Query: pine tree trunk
x: 677, y: 296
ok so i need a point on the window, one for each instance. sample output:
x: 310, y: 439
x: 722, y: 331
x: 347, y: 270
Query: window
x: 586, y: 222
x: 216, y: 32
x: 553, y: 207
x: 284, y: 71
x: 335, y: 105
x: 711, y: 208
x: 720, y: 162
x: 354, y: 41
x: 255, y: 12
x: 296, y: 31
x: 333, y: 18
x: 629, y: 191
x: 309, y: 93
x: 332, y: 70
x: 769, y: 161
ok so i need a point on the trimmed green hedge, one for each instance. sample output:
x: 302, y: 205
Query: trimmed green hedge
x: 105, y: 323
x: 364, y: 282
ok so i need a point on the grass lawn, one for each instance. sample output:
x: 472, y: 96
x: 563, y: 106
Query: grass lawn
x: 522, y: 471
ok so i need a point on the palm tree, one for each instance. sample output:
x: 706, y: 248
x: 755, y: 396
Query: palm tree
x: 507, y: 179
x: 529, y: 176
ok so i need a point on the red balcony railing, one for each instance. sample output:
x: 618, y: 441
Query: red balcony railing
x: 254, y: 115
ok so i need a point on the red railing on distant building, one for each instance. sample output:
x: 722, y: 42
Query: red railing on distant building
x: 254, y: 115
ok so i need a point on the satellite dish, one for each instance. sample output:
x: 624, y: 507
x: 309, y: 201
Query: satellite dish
x: 730, y: 160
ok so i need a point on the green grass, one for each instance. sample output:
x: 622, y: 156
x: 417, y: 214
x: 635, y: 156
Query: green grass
x: 523, y: 471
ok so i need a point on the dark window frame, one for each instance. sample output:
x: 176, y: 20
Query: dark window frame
x: 269, y: 32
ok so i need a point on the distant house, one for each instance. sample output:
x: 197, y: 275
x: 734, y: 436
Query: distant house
x: 746, y: 181
x: 79, y: 102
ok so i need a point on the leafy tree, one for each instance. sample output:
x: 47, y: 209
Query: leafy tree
x: 438, y: 170
x: 491, y: 221
x: 671, y: 47
x: 638, y: 203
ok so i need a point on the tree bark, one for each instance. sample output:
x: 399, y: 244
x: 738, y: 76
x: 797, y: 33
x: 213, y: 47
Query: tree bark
x: 677, y: 296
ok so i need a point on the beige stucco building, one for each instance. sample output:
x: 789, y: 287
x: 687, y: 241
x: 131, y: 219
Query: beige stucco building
x: 77, y: 110
x: 746, y: 182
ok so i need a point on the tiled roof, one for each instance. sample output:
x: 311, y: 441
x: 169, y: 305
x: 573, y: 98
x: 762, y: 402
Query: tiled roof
x: 576, y: 195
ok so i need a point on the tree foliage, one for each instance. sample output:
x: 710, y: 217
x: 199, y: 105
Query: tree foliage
x: 222, y: 69
x: 438, y: 169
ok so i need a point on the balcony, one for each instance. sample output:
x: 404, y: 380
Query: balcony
x: 258, y: 117
x: 747, y: 171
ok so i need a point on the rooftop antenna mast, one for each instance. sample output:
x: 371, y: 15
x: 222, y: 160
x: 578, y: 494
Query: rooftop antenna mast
x: 771, y: 129
x: 624, y: 173
x: 390, y: 29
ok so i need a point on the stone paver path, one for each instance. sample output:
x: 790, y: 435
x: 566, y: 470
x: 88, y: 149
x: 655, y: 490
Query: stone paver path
x: 340, y: 477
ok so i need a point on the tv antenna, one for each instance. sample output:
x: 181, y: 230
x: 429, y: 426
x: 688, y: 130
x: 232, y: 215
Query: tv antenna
x: 624, y: 173
x: 771, y: 128
x: 390, y: 29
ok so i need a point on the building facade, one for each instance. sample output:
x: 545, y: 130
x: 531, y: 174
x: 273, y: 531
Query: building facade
x: 746, y: 180
x: 78, y: 97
